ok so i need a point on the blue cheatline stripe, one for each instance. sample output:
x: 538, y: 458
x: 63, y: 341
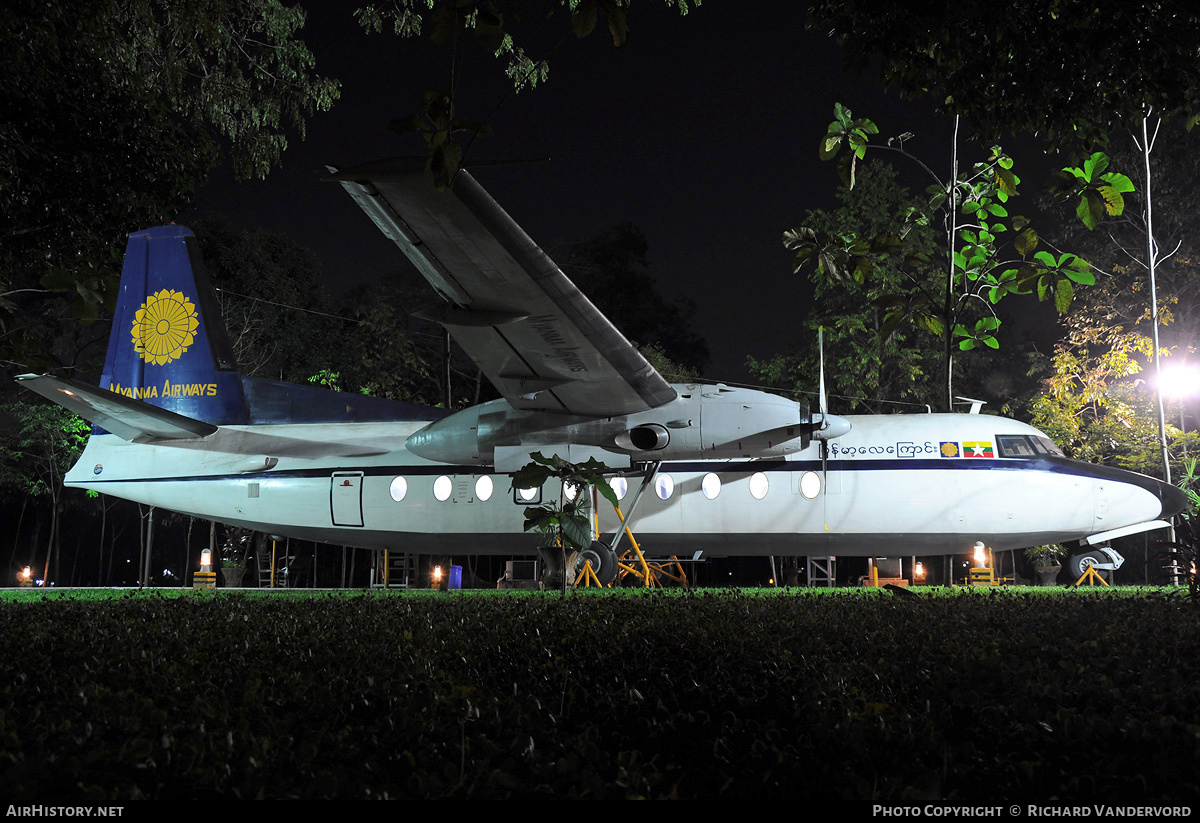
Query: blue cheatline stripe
x: 1052, y: 465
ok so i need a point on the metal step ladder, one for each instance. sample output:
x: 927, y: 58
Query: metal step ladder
x: 822, y: 571
x: 273, y: 559
x: 394, y: 570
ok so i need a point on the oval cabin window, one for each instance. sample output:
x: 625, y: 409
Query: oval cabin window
x: 398, y: 489
x: 483, y: 487
x: 442, y: 487
x: 810, y: 485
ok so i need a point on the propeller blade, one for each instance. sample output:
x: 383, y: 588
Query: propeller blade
x: 821, y: 353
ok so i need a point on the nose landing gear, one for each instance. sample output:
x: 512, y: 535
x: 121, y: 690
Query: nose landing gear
x: 1096, y: 565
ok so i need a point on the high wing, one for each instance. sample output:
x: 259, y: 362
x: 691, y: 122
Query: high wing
x: 538, y: 339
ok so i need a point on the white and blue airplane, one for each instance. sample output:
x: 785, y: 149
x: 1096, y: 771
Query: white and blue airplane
x: 726, y: 471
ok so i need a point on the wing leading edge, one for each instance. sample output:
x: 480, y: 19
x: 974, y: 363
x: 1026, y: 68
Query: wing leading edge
x: 538, y: 339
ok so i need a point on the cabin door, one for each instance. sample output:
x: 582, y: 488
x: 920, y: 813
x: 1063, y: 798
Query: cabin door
x: 345, y: 498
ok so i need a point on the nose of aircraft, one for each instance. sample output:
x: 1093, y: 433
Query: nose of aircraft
x: 1174, y: 499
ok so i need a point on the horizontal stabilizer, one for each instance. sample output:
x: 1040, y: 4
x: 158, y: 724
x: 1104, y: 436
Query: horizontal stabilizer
x: 125, y: 417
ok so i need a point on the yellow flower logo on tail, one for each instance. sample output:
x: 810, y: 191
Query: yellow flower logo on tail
x: 164, y: 327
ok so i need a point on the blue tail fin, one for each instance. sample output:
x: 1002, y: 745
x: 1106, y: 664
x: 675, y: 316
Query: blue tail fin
x: 168, y: 345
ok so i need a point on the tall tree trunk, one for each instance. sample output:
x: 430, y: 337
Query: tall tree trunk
x: 112, y: 550
x: 1151, y: 255
x: 951, y: 226
x: 75, y: 560
x: 52, y: 542
x: 100, y: 558
x: 187, y: 552
x: 141, y: 542
x: 12, y: 558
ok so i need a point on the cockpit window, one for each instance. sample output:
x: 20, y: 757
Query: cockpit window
x: 1015, y: 445
x: 1050, y: 446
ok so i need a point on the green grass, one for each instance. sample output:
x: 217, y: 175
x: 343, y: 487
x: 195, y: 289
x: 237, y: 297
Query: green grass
x: 29, y: 595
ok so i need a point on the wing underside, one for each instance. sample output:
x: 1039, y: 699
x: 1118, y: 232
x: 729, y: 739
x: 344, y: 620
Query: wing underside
x: 534, y: 334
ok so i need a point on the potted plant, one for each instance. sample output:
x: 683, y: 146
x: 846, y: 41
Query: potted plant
x: 565, y: 523
x: 1047, y: 562
x: 234, y: 552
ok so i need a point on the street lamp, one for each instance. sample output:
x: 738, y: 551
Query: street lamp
x: 1180, y: 381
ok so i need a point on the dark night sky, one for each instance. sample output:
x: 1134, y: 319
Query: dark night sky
x: 701, y: 130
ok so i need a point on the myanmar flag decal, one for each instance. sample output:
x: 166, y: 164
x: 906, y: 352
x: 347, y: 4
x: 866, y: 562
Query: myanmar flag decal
x: 981, y: 449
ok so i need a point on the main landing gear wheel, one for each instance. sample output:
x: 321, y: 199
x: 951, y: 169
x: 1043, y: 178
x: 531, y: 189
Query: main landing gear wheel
x: 1077, y: 564
x: 603, y: 560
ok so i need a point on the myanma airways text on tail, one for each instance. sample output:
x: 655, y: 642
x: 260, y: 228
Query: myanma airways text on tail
x: 724, y: 470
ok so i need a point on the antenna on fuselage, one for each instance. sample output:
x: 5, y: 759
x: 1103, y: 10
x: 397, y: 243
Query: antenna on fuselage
x: 976, y: 405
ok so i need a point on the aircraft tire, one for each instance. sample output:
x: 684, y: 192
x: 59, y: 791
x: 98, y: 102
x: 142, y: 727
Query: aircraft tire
x: 603, y: 560
x: 1077, y: 564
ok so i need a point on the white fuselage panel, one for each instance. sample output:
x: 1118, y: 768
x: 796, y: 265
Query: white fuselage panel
x: 902, y: 484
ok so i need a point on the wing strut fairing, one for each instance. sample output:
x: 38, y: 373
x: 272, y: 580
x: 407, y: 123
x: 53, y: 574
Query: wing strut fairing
x: 535, y: 335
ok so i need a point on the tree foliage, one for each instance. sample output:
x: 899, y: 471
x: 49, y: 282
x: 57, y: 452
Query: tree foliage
x: 39, y: 442
x: 389, y: 354
x: 500, y: 30
x: 1096, y: 398
x: 612, y: 270
x: 114, y: 111
x: 272, y: 301
x: 987, y: 253
x: 864, y: 366
x: 1066, y: 70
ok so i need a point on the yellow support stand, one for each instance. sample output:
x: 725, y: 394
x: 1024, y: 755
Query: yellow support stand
x: 651, y: 574
x: 1092, y: 577
x: 588, y: 576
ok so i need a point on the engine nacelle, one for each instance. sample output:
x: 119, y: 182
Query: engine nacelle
x: 702, y: 422
x: 650, y: 437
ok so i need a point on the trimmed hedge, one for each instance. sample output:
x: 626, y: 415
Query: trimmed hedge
x: 863, y: 695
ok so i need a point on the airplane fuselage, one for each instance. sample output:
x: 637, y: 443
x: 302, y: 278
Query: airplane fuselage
x: 899, y: 484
